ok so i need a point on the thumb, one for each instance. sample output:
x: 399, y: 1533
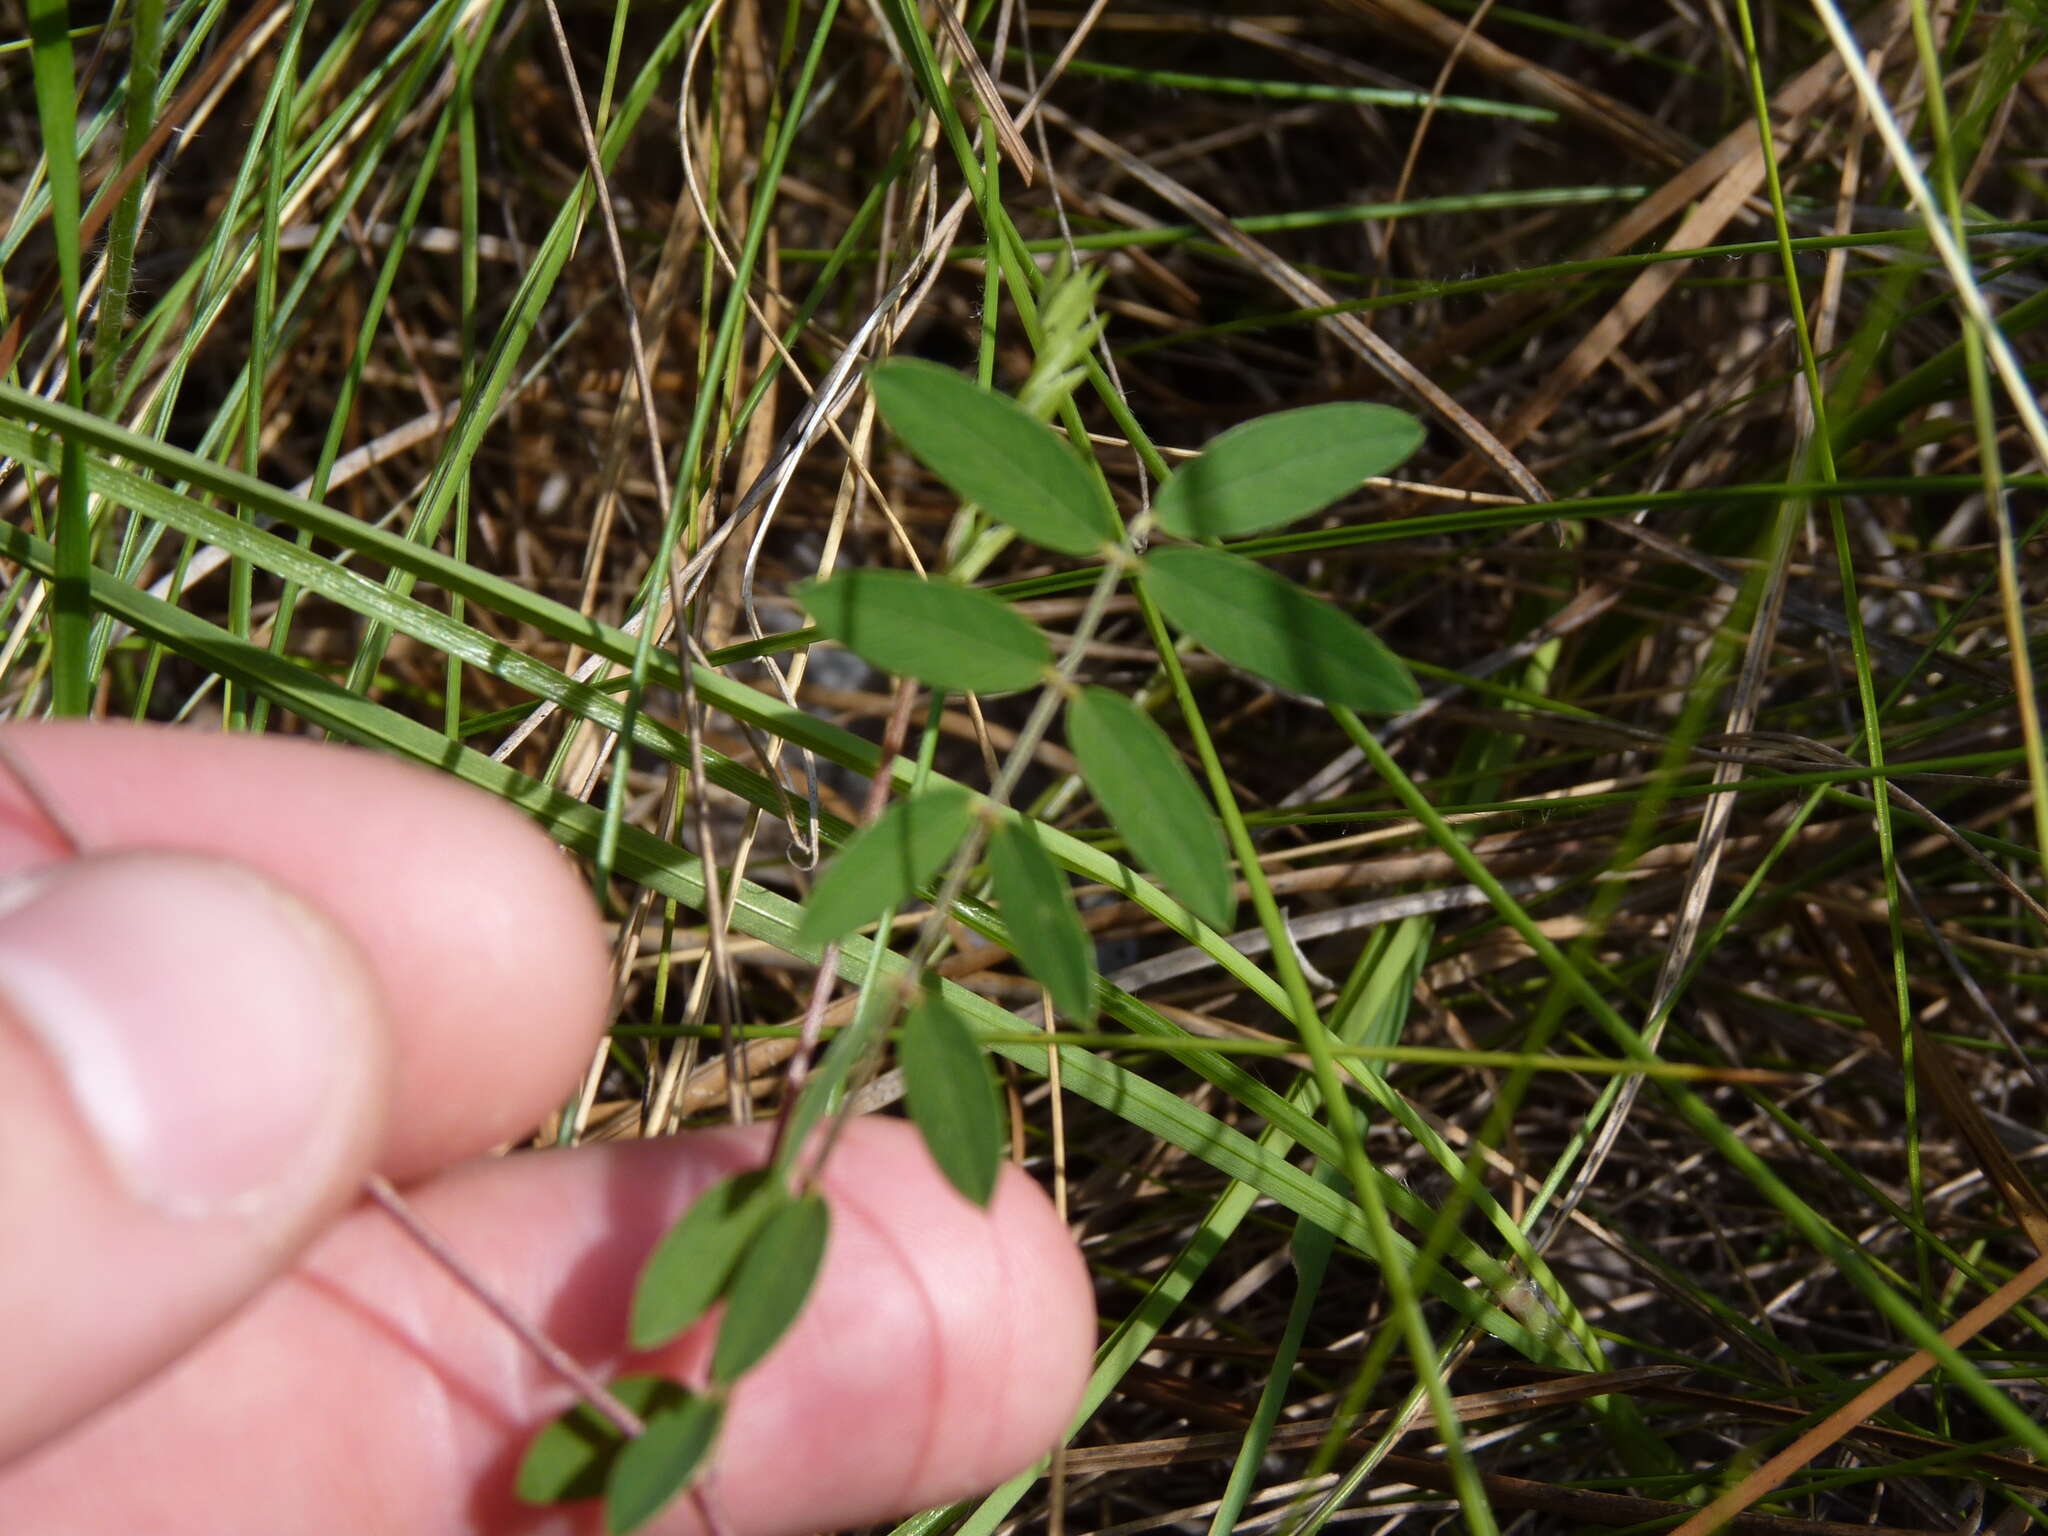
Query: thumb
x: 192, y: 1075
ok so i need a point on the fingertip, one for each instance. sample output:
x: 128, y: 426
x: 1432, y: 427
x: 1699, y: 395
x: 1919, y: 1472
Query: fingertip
x: 1013, y: 1308
x: 478, y: 930
x: 193, y: 1073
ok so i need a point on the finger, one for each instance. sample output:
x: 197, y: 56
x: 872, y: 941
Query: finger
x: 480, y: 935
x: 193, y: 1069
x: 944, y: 1349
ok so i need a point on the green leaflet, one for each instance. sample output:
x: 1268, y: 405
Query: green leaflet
x: 770, y: 1286
x: 952, y: 1097
x: 1152, y: 800
x: 660, y: 1462
x: 1259, y: 620
x: 1038, y: 909
x: 573, y: 1454
x: 689, y: 1267
x: 946, y: 636
x: 1271, y: 471
x: 990, y: 451
x: 883, y: 864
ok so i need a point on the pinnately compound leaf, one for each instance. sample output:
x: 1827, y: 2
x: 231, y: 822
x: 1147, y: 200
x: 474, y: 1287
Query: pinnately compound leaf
x: 952, y: 1097
x: 884, y: 863
x: 1259, y: 620
x: 1269, y: 472
x: 990, y: 451
x: 1039, y: 911
x: 660, y: 1462
x: 573, y: 1454
x: 1152, y: 800
x: 945, y: 635
x: 770, y: 1286
x: 689, y: 1267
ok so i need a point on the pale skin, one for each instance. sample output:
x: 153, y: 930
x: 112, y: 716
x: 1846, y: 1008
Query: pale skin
x: 210, y: 1331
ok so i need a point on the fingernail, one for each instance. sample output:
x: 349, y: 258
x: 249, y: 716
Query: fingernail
x: 212, y: 1031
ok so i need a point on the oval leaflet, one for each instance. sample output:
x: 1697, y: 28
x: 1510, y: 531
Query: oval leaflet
x: 688, y: 1269
x: 884, y: 863
x: 1259, y: 620
x: 571, y: 1455
x: 660, y: 1462
x: 943, y: 634
x: 952, y: 1097
x: 992, y: 452
x: 1039, y: 911
x: 1152, y: 801
x: 770, y: 1286
x: 1268, y: 472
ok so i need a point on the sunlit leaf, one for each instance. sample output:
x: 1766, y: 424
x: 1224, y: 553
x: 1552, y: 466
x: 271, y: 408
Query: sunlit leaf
x: 990, y: 451
x: 1259, y: 620
x: 573, y: 1454
x: 660, y: 1462
x: 1039, y: 910
x: 945, y: 635
x: 1152, y: 800
x: 951, y: 1094
x: 1271, y: 471
x: 882, y: 865
x: 689, y: 1267
x: 770, y: 1286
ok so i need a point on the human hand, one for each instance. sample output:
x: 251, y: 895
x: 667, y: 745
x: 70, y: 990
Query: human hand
x: 274, y: 968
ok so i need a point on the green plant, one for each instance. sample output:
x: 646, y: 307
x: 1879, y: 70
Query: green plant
x: 998, y: 457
